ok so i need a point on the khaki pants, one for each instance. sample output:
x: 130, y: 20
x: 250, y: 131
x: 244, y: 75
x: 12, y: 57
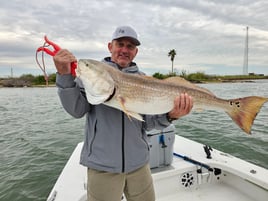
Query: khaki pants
x: 105, y: 186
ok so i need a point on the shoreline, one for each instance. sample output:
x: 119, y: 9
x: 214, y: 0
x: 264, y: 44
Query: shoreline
x: 18, y: 83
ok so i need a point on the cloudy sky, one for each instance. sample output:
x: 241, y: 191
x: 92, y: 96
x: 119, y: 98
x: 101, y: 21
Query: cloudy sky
x: 208, y: 35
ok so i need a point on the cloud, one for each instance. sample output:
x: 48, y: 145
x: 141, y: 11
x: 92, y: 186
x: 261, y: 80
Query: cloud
x: 207, y: 35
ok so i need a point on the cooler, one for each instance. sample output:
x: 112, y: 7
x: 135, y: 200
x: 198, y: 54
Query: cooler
x: 161, y: 146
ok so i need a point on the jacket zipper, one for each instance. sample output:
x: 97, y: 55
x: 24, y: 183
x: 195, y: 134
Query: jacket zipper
x: 93, y: 139
x: 123, y: 142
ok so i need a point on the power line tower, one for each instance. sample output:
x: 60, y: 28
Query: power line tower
x: 245, y: 65
x: 11, y: 72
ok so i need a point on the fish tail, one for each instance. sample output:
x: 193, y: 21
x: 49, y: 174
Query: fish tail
x: 244, y: 110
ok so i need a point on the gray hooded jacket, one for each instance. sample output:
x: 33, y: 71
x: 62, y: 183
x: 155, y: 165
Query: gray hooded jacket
x: 113, y: 143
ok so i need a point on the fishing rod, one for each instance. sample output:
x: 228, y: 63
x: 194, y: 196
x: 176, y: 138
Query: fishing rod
x: 186, y: 158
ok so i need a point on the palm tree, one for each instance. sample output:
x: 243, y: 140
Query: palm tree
x: 172, y: 53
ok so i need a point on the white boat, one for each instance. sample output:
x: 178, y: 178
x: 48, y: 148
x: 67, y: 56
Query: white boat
x: 191, y: 173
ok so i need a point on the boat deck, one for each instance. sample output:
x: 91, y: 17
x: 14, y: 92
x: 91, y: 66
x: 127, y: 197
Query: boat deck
x: 224, y: 187
x: 228, y: 179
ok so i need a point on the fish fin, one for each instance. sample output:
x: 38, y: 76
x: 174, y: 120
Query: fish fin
x: 147, y: 77
x: 186, y: 83
x: 244, y: 110
x: 177, y: 79
x: 134, y: 115
x: 127, y: 112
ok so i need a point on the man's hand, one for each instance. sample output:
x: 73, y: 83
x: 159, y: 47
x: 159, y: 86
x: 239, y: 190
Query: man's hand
x: 63, y: 60
x: 183, y: 104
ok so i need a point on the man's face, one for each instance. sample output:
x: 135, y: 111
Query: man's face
x: 123, y: 51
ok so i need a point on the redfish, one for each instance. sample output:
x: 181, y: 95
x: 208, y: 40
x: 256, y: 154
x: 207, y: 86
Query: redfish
x: 139, y: 94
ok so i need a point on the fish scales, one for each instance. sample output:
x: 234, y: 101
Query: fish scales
x: 139, y: 94
x: 147, y: 90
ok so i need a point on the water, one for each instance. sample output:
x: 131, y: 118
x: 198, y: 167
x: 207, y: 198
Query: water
x: 37, y: 136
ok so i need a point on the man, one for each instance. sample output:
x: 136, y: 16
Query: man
x: 115, y: 148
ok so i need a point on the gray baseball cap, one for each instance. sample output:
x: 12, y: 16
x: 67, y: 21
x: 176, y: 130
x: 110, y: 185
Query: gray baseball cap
x: 126, y: 31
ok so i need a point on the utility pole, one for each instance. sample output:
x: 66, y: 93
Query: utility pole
x: 11, y: 72
x: 245, y: 65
